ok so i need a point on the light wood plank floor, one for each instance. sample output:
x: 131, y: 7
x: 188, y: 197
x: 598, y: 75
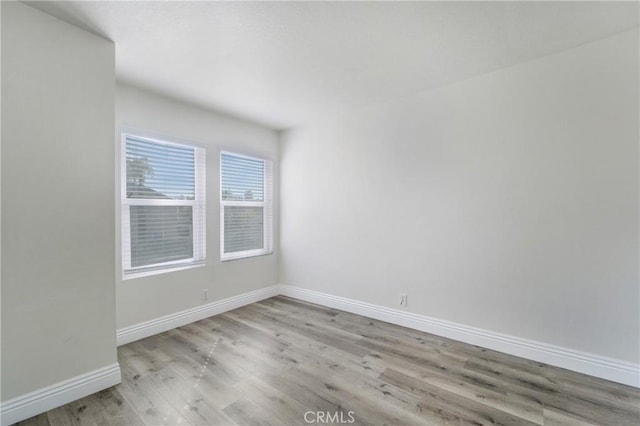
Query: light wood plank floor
x: 277, y: 361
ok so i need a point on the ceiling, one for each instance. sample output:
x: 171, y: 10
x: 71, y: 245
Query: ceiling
x: 284, y: 64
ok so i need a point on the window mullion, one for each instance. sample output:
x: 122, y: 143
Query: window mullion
x: 158, y: 202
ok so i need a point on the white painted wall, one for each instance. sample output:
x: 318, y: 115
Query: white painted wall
x: 507, y: 202
x: 148, y: 298
x: 58, y: 231
x: 0, y: 205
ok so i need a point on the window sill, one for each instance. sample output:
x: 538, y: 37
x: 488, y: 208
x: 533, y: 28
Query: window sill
x: 244, y: 255
x: 173, y: 268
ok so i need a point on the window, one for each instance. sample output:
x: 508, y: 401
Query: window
x: 245, y: 206
x: 163, y: 206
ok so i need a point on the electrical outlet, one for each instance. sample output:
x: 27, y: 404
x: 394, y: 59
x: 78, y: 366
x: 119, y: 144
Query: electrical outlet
x: 403, y: 299
x: 205, y: 296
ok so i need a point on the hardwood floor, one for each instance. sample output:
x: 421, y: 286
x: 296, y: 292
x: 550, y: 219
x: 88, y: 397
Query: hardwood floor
x: 287, y: 362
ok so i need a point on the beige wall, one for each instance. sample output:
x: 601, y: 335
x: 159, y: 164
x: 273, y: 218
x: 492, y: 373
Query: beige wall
x: 147, y: 298
x: 507, y: 202
x: 58, y: 275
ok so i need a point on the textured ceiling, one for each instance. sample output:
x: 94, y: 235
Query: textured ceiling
x: 286, y: 63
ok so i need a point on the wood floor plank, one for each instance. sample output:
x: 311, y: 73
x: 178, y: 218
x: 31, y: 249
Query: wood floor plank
x: 303, y: 327
x: 359, y: 396
x: 109, y: 409
x: 146, y: 401
x: 457, y: 407
x: 554, y: 417
x: 39, y: 420
x: 244, y: 412
x: 276, y: 361
x: 75, y: 413
x: 436, y: 368
x: 551, y: 394
x: 274, y: 403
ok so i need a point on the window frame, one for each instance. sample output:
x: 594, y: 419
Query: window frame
x: 266, y: 204
x: 198, y: 211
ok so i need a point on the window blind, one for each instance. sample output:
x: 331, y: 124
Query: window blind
x: 160, y: 171
x: 163, y: 217
x: 246, y: 206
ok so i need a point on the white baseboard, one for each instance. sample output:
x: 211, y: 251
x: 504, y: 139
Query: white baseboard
x: 178, y: 319
x: 594, y: 365
x: 34, y: 403
x: 31, y: 404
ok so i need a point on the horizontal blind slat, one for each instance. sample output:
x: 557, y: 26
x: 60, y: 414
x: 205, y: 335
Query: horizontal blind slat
x: 159, y: 171
x: 242, y: 178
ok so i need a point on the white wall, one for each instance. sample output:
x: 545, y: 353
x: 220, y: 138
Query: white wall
x: 58, y: 231
x: 507, y: 202
x: 0, y: 207
x: 148, y: 298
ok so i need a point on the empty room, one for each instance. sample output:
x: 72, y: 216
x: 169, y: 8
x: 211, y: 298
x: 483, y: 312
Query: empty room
x: 309, y: 213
